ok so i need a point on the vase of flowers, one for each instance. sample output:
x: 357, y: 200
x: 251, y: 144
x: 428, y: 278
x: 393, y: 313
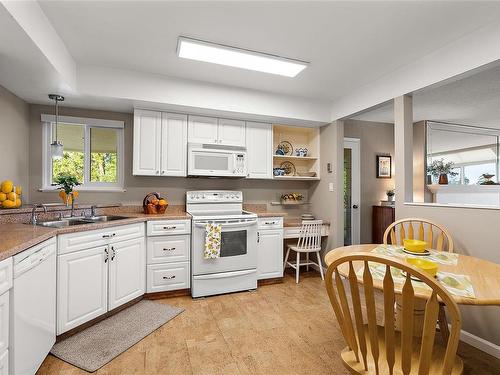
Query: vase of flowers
x: 390, y: 195
x: 67, y: 182
x: 441, y: 170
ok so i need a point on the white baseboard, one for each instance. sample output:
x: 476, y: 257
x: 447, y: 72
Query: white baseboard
x: 481, y: 344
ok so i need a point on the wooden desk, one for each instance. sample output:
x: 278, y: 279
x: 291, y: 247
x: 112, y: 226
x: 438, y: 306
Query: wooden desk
x: 294, y: 231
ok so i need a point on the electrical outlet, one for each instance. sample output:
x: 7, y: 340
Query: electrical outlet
x: 330, y: 186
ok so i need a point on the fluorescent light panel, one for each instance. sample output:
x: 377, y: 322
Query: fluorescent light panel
x: 240, y: 58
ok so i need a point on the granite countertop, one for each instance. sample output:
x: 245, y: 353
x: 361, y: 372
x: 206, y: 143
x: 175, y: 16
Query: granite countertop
x: 261, y: 210
x: 17, y: 237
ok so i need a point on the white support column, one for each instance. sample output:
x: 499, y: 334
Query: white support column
x: 403, y: 148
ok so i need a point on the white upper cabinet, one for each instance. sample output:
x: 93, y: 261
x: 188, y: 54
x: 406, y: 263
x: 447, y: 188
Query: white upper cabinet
x: 127, y: 271
x: 147, y: 130
x: 259, y: 140
x: 160, y: 143
x: 202, y: 130
x: 231, y: 132
x: 173, y: 144
x: 211, y: 130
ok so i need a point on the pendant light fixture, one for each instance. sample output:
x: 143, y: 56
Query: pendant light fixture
x: 56, y: 147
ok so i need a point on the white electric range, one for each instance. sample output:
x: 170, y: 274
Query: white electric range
x: 236, y: 268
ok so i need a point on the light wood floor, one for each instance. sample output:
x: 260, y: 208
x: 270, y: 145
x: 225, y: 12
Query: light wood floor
x: 278, y: 329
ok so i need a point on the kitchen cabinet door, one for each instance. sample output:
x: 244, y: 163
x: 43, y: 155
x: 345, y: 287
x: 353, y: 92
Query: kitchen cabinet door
x: 4, y: 321
x: 202, y: 129
x: 147, y: 138
x: 127, y: 271
x: 269, y: 254
x: 173, y: 144
x: 82, y: 287
x: 259, y: 140
x: 231, y: 132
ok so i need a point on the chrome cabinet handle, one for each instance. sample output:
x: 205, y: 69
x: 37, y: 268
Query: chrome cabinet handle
x: 162, y: 172
x: 157, y: 172
x: 168, y: 277
x: 171, y: 227
x: 258, y: 237
x: 270, y: 222
x: 169, y: 249
x: 108, y: 235
x: 114, y: 253
x: 107, y: 255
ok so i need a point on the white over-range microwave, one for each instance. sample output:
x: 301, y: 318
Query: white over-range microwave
x: 216, y: 161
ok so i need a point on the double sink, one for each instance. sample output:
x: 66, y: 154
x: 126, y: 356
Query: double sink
x: 71, y: 221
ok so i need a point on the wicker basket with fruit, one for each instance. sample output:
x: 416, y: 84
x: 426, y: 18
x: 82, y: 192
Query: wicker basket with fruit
x: 154, y: 204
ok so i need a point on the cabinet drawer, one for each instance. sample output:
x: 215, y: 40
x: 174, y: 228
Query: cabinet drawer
x: 99, y: 237
x: 168, y: 227
x: 270, y: 223
x: 169, y: 276
x: 5, y: 275
x: 167, y: 249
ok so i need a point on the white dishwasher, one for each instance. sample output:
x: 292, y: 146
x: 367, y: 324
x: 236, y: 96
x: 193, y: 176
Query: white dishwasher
x: 33, y: 308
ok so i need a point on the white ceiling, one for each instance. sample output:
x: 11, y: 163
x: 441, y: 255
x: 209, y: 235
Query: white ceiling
x: 349, y: 44
x: 473, y: 100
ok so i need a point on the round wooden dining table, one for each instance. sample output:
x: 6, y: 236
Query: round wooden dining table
x: 484, y: 277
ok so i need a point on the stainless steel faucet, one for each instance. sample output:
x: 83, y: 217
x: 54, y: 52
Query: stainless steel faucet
x: 72, y: 212
x: 34, y: 219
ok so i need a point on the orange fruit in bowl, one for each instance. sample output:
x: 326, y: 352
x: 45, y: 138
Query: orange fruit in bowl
x: 154, y: 201
x: 163, y: 202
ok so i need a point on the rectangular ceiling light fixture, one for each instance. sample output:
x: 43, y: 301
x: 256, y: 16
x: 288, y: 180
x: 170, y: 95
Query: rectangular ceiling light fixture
x: 199, y: 50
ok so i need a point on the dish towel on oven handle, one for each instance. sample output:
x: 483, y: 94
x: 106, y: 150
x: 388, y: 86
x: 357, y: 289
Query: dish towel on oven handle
x: 212, y: 241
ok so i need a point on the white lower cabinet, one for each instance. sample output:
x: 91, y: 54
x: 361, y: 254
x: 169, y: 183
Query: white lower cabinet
x: 126, y: 272
x: 93, y: 281
x: 168, y: 276
x: 82, y: 287
x: 168, y: 255
x: 269, y: 249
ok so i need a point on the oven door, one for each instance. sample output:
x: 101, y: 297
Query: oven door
x: 238, y: 246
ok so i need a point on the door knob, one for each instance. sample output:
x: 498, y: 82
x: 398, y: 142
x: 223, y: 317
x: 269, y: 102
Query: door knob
x: 355, y: 206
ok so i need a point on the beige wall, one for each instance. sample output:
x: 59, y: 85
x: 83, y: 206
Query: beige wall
x: 376, y: 138
x: 14, y: 136
x: 328, y: 205
x: 474, y: 233
x: 174, y: 188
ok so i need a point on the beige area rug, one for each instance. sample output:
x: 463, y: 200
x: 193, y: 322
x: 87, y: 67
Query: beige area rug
x: 99, y: 344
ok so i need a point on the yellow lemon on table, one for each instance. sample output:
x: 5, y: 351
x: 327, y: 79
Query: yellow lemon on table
x: 18, y: 203
x: 8, y: 204
x: 18, y: 190
x: 7, y: 186
x: 12, y: 196
x: 3, y: 197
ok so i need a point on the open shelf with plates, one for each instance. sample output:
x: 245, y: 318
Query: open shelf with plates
x: 300, y: 148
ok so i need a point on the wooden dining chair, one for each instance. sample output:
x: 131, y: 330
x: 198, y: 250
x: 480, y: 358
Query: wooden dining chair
x: 435, y: 235
x: 309, y: 241
x: 375, y: 349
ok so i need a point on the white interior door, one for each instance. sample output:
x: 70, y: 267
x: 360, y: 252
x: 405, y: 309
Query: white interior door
x: 352, y: 194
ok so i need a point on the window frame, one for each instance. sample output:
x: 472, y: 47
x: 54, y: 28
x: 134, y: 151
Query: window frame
x: 87, y: 123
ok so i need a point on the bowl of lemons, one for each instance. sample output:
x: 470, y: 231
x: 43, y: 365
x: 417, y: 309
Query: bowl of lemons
x: 10, y: 195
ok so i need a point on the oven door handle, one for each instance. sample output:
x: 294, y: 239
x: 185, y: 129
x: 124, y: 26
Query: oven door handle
x: 228, y: 225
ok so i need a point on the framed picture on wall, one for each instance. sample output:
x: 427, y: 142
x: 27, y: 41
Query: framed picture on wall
x: 384, y: 166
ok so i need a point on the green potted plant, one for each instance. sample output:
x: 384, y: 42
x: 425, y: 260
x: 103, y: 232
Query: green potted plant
x: 66, y: 182
x: 441, y: 170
